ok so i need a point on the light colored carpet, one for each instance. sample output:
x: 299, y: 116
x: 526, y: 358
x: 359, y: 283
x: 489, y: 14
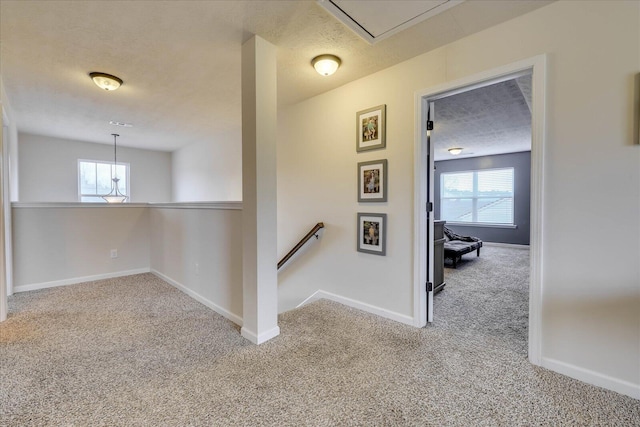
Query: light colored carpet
x: 487, y: 297
x: 136, y: 352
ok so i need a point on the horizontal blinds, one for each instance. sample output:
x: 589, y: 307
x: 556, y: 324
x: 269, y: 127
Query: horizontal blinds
x: 484, y: 196
x: 95, y: 179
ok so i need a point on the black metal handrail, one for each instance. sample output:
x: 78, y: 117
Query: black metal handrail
x: 313, y: 232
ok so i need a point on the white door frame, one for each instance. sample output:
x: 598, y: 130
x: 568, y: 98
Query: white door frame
x: 537, y: 66
x: 3, y: 175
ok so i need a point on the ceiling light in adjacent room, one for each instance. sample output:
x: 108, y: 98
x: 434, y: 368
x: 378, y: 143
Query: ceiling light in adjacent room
x: 455, y: 151
x: 326, y: 64
x: 106, y: 81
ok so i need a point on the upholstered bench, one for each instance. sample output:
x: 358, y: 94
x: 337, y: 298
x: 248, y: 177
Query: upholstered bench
x: 456, y: 245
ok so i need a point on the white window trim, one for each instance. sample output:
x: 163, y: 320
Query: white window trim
x: 128, y: 189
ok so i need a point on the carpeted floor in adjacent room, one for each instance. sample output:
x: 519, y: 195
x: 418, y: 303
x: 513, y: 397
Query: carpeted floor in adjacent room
x: 134, y: 351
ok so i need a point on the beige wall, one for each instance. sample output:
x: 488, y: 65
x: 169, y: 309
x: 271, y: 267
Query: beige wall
x: 49, y: 169
x: 591, y: 274
x: 3, y: 259
x: 196, y: 248
x: 9, y: 181
x: 10, y: 138
x: 63, y: 244
x: 200, y: 251
x: 208, y: 170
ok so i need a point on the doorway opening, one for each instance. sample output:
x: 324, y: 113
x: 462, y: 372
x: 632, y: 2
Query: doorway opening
x: 425, y: 187
x: 482, y: 159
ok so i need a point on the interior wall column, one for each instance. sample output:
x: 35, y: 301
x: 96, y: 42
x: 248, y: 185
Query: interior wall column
x: 3, y: 285
x: 259, y: 256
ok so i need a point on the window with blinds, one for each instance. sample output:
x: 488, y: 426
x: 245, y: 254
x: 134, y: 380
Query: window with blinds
x: 95, y: 179
x: 477, y: 197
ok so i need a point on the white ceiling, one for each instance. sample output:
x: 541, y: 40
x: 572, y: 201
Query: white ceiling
x: 180, y: 61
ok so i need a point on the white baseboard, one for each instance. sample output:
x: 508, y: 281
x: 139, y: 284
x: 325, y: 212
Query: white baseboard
x: 76, y: 280
x: 505, y: 245
x: 382, y: 312
x: 260, y: 338
x: 592, y: 377
x: 196, y: 296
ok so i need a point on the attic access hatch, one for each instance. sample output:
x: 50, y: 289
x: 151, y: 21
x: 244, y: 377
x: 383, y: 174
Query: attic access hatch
x: 377, y: 20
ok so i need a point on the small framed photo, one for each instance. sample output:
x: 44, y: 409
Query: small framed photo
x: 371, y: 128
x: 372, y: 233
x: 372, y: 181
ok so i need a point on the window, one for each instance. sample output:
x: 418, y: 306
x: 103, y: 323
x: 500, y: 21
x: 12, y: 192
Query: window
x: 95, y: 179
x: 480, y: 197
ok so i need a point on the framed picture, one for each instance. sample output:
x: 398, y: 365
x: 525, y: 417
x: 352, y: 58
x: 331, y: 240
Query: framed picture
x: 372, y: 181
x: 371, y: 128
x: 372, y: 233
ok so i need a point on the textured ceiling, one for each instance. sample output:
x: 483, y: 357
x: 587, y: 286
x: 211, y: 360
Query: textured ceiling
x: 494, y: 119
x: 180, y: 61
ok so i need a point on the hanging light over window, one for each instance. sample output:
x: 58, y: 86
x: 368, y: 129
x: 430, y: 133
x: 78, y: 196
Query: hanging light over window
x: 115, y: 196
x: 326, y: 64
x: 106, y: 81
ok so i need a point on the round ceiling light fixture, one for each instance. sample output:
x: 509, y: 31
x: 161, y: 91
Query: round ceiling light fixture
x: 106, y: 81
x: 326, y: 64
x: 455, y: 151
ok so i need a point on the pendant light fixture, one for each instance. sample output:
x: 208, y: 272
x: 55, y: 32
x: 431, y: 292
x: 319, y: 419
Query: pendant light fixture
x: 115, y: 196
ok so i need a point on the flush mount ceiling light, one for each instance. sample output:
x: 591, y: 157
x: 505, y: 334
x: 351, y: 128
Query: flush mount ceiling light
x: 106, y: 81
x: 115, y: 196
x: 326, y: 64
x: 455, y: 151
